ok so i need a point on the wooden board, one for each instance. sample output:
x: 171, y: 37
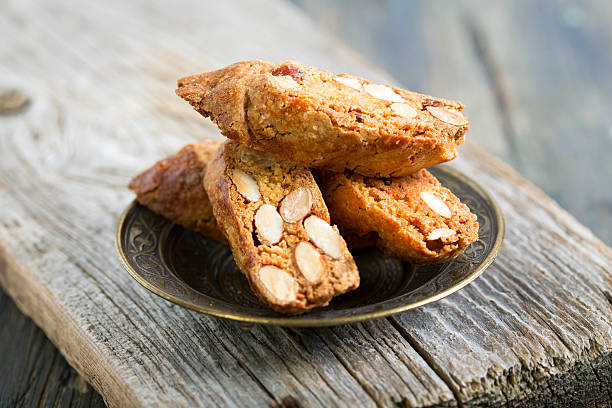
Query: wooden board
x: 535, y: 329
x: 32, y: 370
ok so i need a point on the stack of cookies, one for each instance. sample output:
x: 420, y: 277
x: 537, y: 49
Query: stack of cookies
x: 308, y: 149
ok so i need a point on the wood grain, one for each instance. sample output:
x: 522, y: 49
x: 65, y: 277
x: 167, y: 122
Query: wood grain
x: 44, y: 378
x: 536, y: 327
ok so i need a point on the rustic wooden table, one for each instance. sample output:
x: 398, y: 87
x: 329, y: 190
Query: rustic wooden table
x: 93, y: 104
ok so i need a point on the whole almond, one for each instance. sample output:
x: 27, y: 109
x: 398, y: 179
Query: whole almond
x: 324, y: 236
x: 269, y: 223
x: 309, y: 261
x: 246, y: 185
x: 296, y: 205
x: 278, y: 282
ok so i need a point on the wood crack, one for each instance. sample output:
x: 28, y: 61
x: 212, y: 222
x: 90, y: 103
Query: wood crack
x: 428, y: 359
x: 607, y: 295
x: 46, y: 382
x: 493, y: 75
x: 300, y: 342
x: 34, y: 356
x: 351, y: 372
x: 365, y: 326
x: 250, y: 373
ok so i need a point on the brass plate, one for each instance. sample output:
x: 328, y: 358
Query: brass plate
x: 199, y: 273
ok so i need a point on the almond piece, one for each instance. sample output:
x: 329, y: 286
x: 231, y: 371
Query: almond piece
x: 382, y: 92
x: 286, y: 82
x: 404, y: 110
x: 448, y: 115
x: 309, y: 261
x: 246, y: 185
x: 324, y: 236
x: 278, y: 282
x: 440, y: 233
x: 269, y: 223
x: 296, y: 205
x: 436, y: 204
x: 350, y: 82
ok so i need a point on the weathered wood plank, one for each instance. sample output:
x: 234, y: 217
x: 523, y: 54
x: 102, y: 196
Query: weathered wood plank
x: 102, y: 108
x: 44, y: 378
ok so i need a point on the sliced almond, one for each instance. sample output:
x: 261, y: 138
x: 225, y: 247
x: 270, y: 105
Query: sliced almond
x: 436, y: 204
x: 246, y: 185
x: 382, y: 92
x: 269, y: 223
x: 279, y: 283
x: 440, y: 233
x: 350, y: 82
x: 324, y: 236
x: 448, y: 115
x: 309, y: 261
x: 404, y: 110
x: 286, y: 82
x: 296, y: 205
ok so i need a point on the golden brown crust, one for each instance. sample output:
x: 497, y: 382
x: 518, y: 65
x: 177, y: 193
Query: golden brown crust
x: 220, y: 95
x: 173, y: 187
x: 306, y: 115
x: 394, y: 212
x: 235, y: 214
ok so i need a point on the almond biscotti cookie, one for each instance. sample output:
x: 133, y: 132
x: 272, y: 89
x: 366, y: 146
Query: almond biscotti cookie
x: 277, y: 225
x: 412, y: 218
x: 335, y: 122
x: 174, y: 187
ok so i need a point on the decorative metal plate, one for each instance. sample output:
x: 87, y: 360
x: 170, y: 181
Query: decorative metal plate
x: 199, y: 273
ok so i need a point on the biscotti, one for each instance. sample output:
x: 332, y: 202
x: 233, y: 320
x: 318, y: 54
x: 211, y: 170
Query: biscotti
x: 321, y: 120
x: 174, y: 187
x: 277, y: 225
x: 412, y: 218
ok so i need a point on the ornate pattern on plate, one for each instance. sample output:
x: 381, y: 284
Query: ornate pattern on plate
x: 200, y: 273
